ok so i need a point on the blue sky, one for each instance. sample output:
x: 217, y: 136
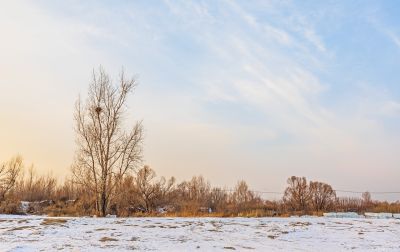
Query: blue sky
x: 254, y: 90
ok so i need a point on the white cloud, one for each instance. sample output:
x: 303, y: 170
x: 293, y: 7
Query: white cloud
x: 391, y: 108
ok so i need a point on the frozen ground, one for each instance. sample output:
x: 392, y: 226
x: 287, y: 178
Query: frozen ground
x: 34, y: 233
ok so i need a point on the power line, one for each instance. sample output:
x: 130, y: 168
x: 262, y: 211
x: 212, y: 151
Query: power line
x: 261, y: 192
x: 345, y: 191
x: 342, y: 191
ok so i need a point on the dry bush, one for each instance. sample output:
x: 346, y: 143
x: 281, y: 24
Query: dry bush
x: 9, y: 173
x: 10, y: 207
x: 48, y: 222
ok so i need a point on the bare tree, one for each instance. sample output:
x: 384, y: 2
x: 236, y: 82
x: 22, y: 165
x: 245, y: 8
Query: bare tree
x: 193, y: 194
x: 218, y: 198
x: 242, y: 194
x: 147, y: 188
x: 366, y: 199
x: 297, y: 194
x: 106, y: 152
x: 322, y: 195
x: 9, y: 173
x: 349, y: 204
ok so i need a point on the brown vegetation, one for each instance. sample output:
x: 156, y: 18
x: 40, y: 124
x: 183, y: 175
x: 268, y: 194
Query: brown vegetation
x: 145, y: 194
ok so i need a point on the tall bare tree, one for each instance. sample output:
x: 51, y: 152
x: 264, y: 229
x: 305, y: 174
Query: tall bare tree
x: 9, y: 173
x: 106, y: 152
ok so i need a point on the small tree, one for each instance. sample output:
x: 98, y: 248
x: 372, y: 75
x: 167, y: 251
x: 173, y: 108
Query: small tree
x: 242, y: 196
x: 9, y: 173
x: 146, y: 187
x: 193, y: 194
x: 106, y: 152
x: 218, y: 199
x: 366, y: 200
x: 297, y: 194
x: 322, y: 195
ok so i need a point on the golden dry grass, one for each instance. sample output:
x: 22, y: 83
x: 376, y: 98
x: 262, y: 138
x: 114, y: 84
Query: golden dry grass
x: 52, y: 221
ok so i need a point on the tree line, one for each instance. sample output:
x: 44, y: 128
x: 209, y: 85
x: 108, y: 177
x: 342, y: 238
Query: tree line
x: 145, y: 194
x: 107, y: 175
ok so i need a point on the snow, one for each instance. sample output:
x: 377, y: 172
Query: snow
x: 379, y: 215
x: 343, y: 215
x: 24, y: 206
x: 366, y: 215
x: 41, y: 233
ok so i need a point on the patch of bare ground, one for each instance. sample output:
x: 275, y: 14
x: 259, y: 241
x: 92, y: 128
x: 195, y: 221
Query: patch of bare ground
x: 343, y: 223
x: 182, y: 239
x: 21, y: 228
x: 249, y: 248
x: 215, y: 224
x: 150, y: 226
x: 51, y: 221
x: 107, y: 239
x: 131, y: 225
x: 272, y: 236
x: 299, y: 224
x: 101, y: 229
x: 231, y: 248
x: 214, y: 230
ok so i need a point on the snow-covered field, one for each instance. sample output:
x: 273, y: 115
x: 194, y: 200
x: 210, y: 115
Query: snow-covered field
x: 34, y: 233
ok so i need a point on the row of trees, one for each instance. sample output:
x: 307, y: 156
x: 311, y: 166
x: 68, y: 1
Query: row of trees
x: 142, y: 193
x: 318, y: 196
x: 146, y: 194
x: 302, y: 196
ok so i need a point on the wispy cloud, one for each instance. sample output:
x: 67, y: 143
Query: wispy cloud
x: 261, y: 70
x: 395, y: 38
x: 385, y: 29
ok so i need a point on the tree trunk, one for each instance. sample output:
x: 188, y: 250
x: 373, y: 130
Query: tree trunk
x: 103, y: 204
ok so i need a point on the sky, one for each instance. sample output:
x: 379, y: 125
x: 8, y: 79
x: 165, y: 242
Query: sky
x: 231, y: 90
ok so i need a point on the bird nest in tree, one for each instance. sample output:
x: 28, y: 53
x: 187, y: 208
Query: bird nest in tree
x: 98, y: 109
